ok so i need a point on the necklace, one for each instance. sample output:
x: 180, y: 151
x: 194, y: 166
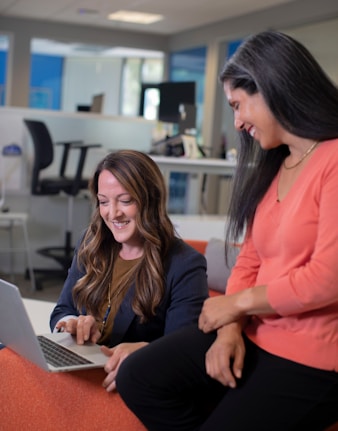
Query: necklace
x: 307, y: 152
x: 106, y: 314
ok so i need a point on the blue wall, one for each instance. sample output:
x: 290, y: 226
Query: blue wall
x: 45, y: 83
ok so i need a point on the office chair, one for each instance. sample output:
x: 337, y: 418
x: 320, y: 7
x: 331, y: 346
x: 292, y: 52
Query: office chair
x: 71, y: 186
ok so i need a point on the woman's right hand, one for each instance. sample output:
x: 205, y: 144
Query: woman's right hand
x: 84, y: 327
x: 225, y: 359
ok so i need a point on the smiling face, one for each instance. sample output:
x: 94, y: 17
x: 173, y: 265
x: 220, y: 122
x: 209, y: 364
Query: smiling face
x: 119, y: 211
x: 252, y: 114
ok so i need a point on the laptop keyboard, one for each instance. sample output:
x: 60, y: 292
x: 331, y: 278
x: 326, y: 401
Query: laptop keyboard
x: 59, y: 356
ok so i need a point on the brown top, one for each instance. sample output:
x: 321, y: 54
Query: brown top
x: 115, y: 296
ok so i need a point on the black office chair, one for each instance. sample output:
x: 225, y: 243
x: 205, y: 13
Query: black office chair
x: 43, y: 157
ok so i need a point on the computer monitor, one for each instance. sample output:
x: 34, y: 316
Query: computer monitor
x: 169, y: 101
x: 172, y: 95
x: 83, y: 108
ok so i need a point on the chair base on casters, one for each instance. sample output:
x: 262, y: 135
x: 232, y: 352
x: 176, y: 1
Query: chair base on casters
x: 63, y: 255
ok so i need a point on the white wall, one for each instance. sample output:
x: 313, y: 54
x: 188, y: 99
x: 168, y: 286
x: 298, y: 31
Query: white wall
x: 85, y: 77
x: 321, y: 39
x: 111, y: 132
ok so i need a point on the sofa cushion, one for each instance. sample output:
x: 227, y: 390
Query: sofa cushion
x: 32, y: 399
x: 218, y: 271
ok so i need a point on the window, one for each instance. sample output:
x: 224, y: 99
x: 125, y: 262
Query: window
x: 137, y: 72
x: 4, y: 43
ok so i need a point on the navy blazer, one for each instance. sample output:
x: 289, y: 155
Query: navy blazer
x: 185, y: 291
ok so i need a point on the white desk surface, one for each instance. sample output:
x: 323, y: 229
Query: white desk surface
x: 39, y: 314
x: 200, y: 166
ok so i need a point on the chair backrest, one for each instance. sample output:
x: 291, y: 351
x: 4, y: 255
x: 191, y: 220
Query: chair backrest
x: 43, y: 150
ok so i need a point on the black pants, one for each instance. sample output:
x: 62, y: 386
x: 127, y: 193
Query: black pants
x: 166, y: 386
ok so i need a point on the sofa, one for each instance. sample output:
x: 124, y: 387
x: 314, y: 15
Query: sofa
x: 66, y: 401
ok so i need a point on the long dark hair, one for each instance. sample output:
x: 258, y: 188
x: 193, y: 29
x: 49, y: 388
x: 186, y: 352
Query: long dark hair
x: 143, y: 180
x: 300, y: 96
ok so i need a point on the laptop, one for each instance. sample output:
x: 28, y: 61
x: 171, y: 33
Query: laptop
x: 53, y: 352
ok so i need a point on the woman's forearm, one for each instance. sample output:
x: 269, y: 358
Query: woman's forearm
x: 253, y: 301
x: 222, y: 310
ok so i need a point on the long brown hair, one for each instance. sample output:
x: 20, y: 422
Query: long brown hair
x: 142, y: 179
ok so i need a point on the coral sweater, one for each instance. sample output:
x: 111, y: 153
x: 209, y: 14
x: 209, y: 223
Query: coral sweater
x: 293, y: 250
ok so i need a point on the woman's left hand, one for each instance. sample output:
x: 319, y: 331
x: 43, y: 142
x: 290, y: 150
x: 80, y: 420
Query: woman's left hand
x: 221, y: 310
x: 117, y: 355
x: 217, y: 312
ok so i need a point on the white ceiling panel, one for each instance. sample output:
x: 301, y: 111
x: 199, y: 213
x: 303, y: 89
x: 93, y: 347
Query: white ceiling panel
x: 179, y: 15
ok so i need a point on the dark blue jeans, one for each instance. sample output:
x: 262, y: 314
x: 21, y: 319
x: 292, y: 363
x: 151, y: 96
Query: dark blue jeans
x: 165, y: 384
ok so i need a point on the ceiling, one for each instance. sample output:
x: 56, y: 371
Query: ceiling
x: 179, y: 15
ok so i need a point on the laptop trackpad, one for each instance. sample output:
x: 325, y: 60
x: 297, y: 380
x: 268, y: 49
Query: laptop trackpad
x: 90, y: 351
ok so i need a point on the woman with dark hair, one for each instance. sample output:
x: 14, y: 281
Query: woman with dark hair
x: 131, y: 280
x: 267, y: 350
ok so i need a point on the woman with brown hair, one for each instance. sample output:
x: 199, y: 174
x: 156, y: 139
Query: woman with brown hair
x: 131, y: 280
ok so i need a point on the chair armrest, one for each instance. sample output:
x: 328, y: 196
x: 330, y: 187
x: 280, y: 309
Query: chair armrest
x: 80, y: 165
x: 68, y: 145
x: 80, y: 144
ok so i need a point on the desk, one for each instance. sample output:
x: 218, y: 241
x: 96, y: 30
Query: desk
x: 39, y: 313
x: 196, y: 168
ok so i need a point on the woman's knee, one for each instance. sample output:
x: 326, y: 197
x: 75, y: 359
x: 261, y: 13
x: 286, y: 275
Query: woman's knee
x: 124, y: 379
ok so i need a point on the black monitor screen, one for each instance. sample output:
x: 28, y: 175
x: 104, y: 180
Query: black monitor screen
x: 172, y: 95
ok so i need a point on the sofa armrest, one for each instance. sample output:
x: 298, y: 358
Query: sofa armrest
x: 197, y: 244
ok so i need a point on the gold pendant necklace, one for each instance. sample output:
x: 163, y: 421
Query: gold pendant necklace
x: 302, y: 158
x: 106, y: 314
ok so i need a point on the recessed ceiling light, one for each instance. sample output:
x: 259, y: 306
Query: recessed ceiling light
x: 135, y: 17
